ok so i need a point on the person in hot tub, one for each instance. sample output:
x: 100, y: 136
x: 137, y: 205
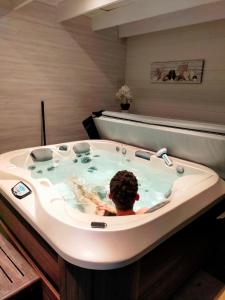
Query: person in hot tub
x: 123, y: 193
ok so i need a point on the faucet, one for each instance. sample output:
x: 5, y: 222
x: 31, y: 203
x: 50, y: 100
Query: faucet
x: 162, y: 153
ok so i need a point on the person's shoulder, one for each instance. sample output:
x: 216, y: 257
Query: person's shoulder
x: 109, y: 213
x: 142, y: 210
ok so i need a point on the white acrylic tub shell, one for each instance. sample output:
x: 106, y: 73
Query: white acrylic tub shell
x: 125, y: 239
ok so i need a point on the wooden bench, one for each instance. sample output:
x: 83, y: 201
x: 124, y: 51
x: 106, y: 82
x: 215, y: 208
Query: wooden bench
x: 17, y: 278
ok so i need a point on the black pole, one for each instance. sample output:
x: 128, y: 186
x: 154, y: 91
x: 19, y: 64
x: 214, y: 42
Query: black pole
x: 43, y: 123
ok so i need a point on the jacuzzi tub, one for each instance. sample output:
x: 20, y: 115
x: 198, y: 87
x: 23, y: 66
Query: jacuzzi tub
x: 51, y: 209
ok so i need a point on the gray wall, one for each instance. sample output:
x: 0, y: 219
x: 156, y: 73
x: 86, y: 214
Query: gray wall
x: 74, y: 69
x: 201, y: 102
x: 78, y: 71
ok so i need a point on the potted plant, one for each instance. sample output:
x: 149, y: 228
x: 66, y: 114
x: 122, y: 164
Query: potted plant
x: 124, y: 95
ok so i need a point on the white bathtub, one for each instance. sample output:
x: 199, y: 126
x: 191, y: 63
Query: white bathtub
x: 124, y: 239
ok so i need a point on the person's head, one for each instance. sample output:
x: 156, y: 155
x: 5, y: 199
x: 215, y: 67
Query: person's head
x: 123, y: 190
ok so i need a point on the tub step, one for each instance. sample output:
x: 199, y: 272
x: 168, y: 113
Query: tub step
x: 17, y: 278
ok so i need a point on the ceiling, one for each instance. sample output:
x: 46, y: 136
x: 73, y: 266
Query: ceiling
x: 110, y: 7
x: 50, y: 2
x: 134, y: 17
x: 106, y: 8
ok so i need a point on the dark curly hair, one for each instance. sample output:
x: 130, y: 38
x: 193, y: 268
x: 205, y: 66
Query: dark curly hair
x: 123, y: 188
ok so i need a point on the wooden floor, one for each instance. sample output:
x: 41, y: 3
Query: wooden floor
x: 201, y: 286
x: 209, y: 282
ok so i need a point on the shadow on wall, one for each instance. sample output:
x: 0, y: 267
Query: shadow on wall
x: 104, y: 48
x: 5, y: 7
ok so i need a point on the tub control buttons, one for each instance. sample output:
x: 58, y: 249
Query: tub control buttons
x: 21, y: 190
x: 98, y: 225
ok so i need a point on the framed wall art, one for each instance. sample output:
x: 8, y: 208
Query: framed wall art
x: 182, y: 71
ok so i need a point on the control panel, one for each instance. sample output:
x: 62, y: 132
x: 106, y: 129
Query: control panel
x: 21, y: 190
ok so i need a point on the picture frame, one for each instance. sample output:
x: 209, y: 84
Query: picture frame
x: 181, y: 71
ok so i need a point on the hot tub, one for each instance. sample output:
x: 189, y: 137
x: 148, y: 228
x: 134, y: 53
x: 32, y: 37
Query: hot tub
x: 174, y: 194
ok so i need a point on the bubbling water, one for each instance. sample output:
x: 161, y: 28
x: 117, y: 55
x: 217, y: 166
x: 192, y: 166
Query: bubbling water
x: 94, y: 171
